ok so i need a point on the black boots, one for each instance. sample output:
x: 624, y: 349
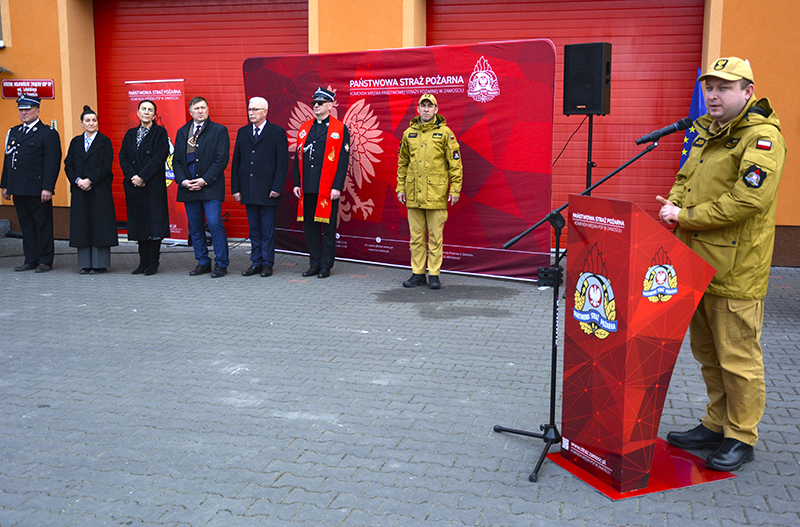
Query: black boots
x: 149, y: 253
x: 144, y: 249
x: 153, y: 256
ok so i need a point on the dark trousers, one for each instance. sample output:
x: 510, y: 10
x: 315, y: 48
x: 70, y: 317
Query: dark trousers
x: 36, y: 223
x: 320, y: 237
x: 261, y: 220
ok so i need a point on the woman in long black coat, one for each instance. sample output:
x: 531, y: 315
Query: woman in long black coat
x: 143, y: 157
x: 93, y: 222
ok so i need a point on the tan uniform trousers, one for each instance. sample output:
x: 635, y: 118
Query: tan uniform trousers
x: 725, y: 340
x: 432, y: 221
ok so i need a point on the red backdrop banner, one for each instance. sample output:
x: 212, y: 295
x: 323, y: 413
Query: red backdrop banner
x: 498, y: 100
x: 168, y: 95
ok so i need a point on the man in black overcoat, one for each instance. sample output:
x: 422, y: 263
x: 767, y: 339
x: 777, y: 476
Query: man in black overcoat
x: 260, y: 162
x: 320, y: 169
x: 202, y: 152
x: 31, y: 167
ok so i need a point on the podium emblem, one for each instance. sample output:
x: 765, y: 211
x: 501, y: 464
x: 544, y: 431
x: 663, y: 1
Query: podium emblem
x: 661, y: 279
x: 595, y: 306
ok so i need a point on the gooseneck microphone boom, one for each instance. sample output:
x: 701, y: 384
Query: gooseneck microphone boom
x: 652, y: 137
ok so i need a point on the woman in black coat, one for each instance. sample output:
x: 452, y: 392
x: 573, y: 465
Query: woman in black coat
x: 93, y: 222
x: 143, y: 157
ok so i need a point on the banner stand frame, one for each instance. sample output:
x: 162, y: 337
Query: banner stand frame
x: 553, y: 277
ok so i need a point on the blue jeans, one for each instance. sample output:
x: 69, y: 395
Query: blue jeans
x: 261, y: 220
x: 199, y: 213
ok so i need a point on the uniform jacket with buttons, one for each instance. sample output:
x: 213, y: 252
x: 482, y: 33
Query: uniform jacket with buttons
x: 32, y: 160
x: 429, y: 164
x: 259, y: 167
x: 727, y: 193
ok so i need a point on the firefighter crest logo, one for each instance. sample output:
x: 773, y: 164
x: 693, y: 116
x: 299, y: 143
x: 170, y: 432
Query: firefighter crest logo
x: 595, y: 307
x: 660, y: 280
x: 483, y: 85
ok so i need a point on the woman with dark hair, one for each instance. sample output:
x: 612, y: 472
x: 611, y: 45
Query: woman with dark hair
x: 143, y: 157
x: 93, y: 222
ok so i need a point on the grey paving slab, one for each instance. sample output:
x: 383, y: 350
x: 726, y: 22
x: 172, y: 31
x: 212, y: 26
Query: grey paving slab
x: 245, y: 401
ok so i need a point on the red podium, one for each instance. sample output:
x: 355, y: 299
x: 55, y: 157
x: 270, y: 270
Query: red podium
x: 632, y: 288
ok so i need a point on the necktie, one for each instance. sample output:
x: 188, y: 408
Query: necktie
x: 87, y: 143
x: 255, y: 133
x: 25, y: 129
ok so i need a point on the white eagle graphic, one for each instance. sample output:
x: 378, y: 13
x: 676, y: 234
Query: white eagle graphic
x: 365, y: 135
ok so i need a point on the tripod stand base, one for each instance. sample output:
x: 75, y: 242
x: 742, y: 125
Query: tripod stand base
x: 549, y: 435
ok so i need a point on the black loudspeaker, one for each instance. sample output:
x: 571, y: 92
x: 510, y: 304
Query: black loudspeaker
x: 587, y: 79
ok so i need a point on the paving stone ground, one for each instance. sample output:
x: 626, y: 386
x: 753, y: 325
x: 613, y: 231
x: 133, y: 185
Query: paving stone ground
x: 173, y: 400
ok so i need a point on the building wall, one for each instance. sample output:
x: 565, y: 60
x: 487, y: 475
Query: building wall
x: 358, y: 25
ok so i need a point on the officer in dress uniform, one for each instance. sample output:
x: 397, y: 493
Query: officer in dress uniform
x: 30, y: 169
x: 320, y: 168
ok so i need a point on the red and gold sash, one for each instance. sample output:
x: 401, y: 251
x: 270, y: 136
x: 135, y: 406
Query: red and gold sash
x: 333, y: 146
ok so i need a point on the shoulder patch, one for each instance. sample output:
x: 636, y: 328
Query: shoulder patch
x: 456, y: 155
x: 732, y: 142
x: 764, y: 144
x: 699, y: 142
x: 754, y: 176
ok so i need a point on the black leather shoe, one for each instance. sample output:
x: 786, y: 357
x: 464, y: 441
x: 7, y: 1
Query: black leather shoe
x: 433, y: 282
x: 43, y: 268
x: 324, y: 273
x: 219, y: 271
x: 99, y: 270
x: 200, y: 269
x: 25, y: 267
x: 730, y: 456
x: 85, y: 270
x: 696, y: 438
x: 266, y: 271
x: 415, y: 280
x: 311, y: 271
x: 253, y: 269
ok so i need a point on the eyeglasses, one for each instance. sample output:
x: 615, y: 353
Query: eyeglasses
x: 254, y: 110
x: 319, y: 103
x: 147, y: 110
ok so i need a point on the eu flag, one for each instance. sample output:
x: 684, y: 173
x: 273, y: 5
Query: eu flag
x: 696, y: 109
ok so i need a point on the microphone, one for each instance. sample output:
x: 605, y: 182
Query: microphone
x: 652, y: 137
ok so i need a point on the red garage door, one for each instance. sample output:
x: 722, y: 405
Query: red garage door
x: 204, y: 42
x: 656, y: 50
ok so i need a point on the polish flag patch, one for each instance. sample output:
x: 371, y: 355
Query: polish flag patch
x: 763, y: 144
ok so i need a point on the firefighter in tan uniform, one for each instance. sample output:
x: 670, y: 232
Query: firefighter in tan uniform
x: 723, y: 202
x: 429, y: 177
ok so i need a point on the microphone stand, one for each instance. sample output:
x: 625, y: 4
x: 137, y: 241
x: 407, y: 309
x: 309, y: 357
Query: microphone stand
x: 553, y: 276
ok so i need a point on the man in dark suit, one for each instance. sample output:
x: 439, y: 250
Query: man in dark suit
x: 260, y: 162
x: 320, y: 168
x: 30, y: 170
x: 202, y: 151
